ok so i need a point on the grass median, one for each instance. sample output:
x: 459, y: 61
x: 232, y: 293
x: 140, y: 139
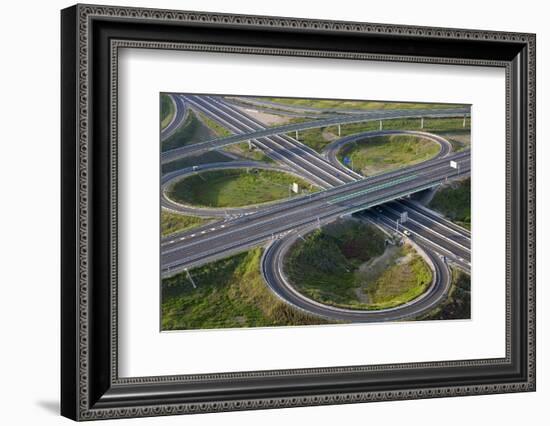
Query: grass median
x: 236, y: 188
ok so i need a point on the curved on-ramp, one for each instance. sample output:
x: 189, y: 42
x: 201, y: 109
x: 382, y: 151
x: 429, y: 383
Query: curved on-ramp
x: 171, y: 178
x: 331, y: 150
x: 272, y: 260
x: 273, y: 273
x: 177, y: 120
x: 184, y: 151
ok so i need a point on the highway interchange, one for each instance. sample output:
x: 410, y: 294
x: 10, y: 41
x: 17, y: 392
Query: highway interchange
x: 379, y: 199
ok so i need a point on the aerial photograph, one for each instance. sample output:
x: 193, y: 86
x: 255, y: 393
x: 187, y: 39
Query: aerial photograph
x: 278, y: 211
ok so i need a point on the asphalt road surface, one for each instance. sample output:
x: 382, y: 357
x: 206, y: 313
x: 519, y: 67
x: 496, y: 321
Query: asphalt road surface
x: 345, y: 192
x: 177, y: 120
x: 273, y: 274
x: 246, y: 128
x: 345, y: 199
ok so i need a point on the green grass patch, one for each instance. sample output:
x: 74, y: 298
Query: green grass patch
x: 230, y: 293
x: 347, y: 104
x: 454, y: 201
x: 323, y: 265
x: 431, y: 125
x: 384, y: 153
x: 436, y: 125
x: 346, y: 264
x: 167, y: 110
x: 457, y: 305
x: 190, y: 132
x: 171, y: 223
x: 235, y: 188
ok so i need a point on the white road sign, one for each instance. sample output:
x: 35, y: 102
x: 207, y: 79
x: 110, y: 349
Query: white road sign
x: 453, y: 164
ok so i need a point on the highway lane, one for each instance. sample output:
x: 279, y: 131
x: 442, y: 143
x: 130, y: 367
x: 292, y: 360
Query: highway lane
x: 435, y: 242
x: 445, y: 237
x: 420, y: 226
x: 436, y: 217
x: 177, y: 120
x: 293, y: 145
x: 456, y: 238
x: 273, y: 273
x: 255, y: 230
x: 304, y: 200
x: 241, y: 136
x: 278, y: 147
x: 281, y: 221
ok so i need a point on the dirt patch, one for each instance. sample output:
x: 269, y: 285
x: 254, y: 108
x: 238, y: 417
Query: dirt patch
x: 369, y: 272
x: 404, y: 260
x: 266, y: 118
x: 361, y: 295
x: 329, y: 136
x: 241, y: 320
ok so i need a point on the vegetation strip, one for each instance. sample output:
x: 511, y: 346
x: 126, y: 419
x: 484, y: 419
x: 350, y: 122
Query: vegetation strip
x: 454, y: 201
x: 171, y: 223
x: 349, y: 104
x: 167, y: 110
x: 457, y: 305
x: 228, y: 293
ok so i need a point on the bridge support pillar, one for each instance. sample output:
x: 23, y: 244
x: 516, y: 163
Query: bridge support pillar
x: 296, y: 135
x: 421, y: 122
x: 339, y: 130
x: 249, y: 145
x: 380, y: 124
x: 464, y: 122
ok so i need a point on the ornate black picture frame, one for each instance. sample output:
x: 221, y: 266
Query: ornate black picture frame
x: 90, y: 38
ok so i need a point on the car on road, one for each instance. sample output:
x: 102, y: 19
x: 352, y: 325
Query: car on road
x: 407, y: 233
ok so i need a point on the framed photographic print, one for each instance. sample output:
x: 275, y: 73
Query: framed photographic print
x: 263, y: 212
